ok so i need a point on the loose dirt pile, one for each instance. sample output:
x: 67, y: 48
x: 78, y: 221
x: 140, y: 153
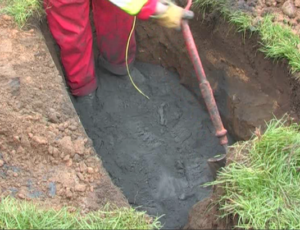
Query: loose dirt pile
x: 287, y: 12
x: 44, y: 151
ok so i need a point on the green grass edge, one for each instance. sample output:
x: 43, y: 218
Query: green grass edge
x: 22, y: 10
x: 277, y: 41
x: 17, y: 214
x: 261, y: 185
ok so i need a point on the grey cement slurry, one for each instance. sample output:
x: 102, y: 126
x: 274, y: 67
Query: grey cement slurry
x: 154, y: 150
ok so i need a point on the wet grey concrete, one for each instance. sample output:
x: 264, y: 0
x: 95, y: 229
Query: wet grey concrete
x: 155, y: 150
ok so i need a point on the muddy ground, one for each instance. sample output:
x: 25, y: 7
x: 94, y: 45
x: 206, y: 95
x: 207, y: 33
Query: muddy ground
x: 45, y: 154
x: 154, y: 150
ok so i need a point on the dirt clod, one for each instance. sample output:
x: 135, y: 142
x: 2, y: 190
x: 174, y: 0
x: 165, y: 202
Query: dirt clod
x: 72, y: 127
x: 21, y: 196
x: 55, y: 152
x: 80, y: 176
x: 69, y: 163
x: 50, y: 150
x: 68, y: 193
x: 297, y: 3
x: 270, y: 2
x: 82, y: 166
x: 53, y: 116
x: 20, y: 150
x: 76, y: 158
x: 90, y: 170
x: 289, y: 9
x: 80, y: 187
x: 40, y: 140
x: 67, y: 158
x: 7, y: 18
x: 79, y: 146
x: 67, y: 145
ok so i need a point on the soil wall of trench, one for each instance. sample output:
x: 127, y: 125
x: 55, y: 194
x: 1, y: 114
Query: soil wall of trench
x: 249, y: 89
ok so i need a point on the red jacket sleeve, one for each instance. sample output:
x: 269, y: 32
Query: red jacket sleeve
x: 147, y: 10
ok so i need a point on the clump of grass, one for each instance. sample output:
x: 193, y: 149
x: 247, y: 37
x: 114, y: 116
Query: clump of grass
x: 22, y: 10
x: 263, y: 192
x: 278, y: 41
x: 25, y: 215
x: 242, y: 21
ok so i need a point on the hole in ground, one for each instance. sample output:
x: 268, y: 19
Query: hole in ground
x: 156, y: 150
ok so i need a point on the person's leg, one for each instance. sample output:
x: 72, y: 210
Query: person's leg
x: 113, y: 27
x: 70, y: 26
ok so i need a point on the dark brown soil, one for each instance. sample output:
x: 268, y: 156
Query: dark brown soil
x: 248, y: 88
x: 45, y: 154
x: 206, y: 213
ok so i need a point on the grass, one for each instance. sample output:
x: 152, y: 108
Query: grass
x: 22, y: 10
x: 277, y: 41
x: 280, y: 42
x: 263, y: 189
x: 16, y: 214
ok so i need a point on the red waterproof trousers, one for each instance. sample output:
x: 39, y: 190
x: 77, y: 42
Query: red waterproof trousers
x: 70, y: 26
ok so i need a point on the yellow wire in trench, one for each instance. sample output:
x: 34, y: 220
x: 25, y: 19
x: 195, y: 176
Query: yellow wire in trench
x: 126, y: 58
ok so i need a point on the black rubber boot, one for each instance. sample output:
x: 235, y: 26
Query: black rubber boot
x: 113, y: 69
x: 88, y: 99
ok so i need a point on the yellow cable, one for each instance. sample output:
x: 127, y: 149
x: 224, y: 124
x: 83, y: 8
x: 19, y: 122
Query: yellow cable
x: 126, y: 58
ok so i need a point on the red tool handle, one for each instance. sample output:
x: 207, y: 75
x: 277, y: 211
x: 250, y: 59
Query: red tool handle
x: 204, y: 85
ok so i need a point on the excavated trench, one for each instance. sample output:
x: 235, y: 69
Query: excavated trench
x: 156, y: 150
